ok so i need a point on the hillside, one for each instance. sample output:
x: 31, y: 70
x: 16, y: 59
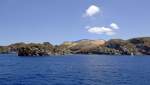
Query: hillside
x: 134, y: 46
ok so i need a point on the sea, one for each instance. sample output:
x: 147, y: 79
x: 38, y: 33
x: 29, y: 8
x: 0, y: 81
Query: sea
x: 74, y: 70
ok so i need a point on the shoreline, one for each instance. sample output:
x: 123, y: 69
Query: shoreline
x: 71, y: 55
x: 134, y: 46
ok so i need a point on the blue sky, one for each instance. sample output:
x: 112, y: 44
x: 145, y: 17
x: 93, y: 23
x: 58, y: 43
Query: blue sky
x: 56, y: 21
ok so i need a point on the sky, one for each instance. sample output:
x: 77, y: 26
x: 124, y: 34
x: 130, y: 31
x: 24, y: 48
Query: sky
x: 57, y: 21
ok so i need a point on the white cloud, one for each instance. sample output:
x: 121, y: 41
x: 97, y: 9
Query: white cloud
x: 114, y: 26
x: 92, y: 10
x: 101, y: 30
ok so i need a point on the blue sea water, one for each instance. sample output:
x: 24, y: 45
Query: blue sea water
x: 75, y: 70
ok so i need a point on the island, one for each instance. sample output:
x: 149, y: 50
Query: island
x: 134, y: 46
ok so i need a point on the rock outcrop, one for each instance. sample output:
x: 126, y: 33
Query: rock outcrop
x: 135, y: 46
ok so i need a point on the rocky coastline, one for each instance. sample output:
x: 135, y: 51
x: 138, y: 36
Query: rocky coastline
x: 134, y: 46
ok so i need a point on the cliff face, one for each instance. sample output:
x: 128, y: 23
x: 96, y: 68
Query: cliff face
x: 142, y: 44
x: 84, y: 45
x: 35, y: 49
x: 3, y: 49
x: 135, y: 46
x: 123, y: 46
x: 80, y: 46
x: 111, y: 47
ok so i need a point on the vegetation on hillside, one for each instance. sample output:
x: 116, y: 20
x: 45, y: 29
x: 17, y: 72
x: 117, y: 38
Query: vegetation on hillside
x: 135, y: 46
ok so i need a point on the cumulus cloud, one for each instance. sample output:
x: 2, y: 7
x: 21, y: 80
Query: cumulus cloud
x: 92, y: 10
x: 108, y: 30
x: 101, y: 30
x: 114, y: 26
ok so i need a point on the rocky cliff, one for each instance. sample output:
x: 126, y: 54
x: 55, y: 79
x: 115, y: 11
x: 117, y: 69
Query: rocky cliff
x: 134, y: 46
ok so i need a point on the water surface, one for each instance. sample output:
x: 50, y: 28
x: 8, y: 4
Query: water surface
x: 75, y: 70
